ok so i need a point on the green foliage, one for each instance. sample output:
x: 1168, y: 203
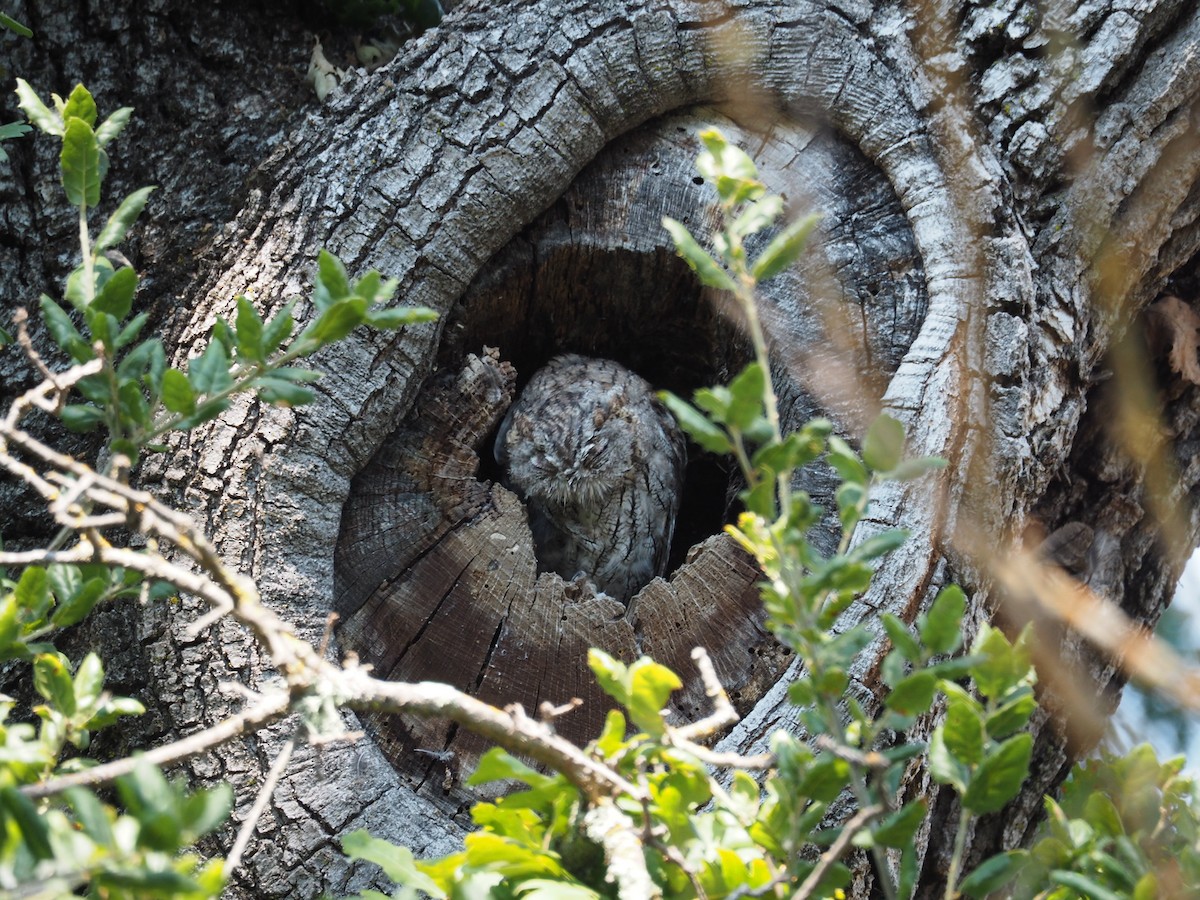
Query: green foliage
x: 1123, y: 827
x: 56, y: 846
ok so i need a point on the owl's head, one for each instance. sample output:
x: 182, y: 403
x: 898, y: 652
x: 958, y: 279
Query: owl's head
x: 573, y: 459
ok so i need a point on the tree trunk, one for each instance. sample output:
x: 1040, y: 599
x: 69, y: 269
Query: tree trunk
x: 1006, y: 192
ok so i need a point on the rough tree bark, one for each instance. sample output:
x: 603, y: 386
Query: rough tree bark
x: 1006, y: 190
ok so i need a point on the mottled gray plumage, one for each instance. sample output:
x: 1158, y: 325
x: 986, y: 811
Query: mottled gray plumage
x: 599, y: 463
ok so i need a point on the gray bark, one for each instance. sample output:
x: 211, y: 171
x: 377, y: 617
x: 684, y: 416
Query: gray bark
x: 1006, y: 190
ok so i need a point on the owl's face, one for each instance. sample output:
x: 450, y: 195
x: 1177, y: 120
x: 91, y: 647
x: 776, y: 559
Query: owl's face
x: 578, y: 460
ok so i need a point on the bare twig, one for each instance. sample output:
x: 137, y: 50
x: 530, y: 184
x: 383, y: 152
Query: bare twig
x: 268, y: 708
x: 869, y: 759
x: 623, y: 852
x: 856, y: 824
x: 234, y: 859
x: 723, y: 715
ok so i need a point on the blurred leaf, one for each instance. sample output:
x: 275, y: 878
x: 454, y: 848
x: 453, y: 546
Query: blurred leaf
x: 337, y: 321
x: 999, y: 777
x: 707, y: 268
x: 52, y: 680
x: 963, y: 733
x: 63, y: 330
x: 698, y: 428
x: 177, y: 393
x: 332, y: 284
x: 36, y: 111
x: 250, y: 345
x: 913, y: 695
x: 941, y: 629
x: 943, y: 766
x: 32, y: 593
x: 846, y: 462
x: 122, y: 220
x: 80, y: 163
x: 280, y: 392
x: 898, y: 828
x: 81, y: 418
x: 901, y: 637
x: 30, y: 826
x: 76, y: 607
x: 209, y: 373
x: 279, y: 329
x: 113, y: 125
x: 498, y: 764
x: 784, y: 249
x: 651, y: 685
x: 746, y: 397
x: 398, y: 316
x: 14, y: 26
x: 80, y: 105
x: 993, y: 874
x: 397, y: 862
x: 116, y: 297
x: 883, y: 447
x: 1014, y: 714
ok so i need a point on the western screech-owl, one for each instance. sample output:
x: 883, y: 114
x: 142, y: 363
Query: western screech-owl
x: 599, y: 463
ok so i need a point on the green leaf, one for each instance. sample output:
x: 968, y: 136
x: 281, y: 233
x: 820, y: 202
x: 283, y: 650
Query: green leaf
x: 30, y: 826
x: 337, y: 321
x: 332, y: 284
x: 206, y: 810
x: 498, y: 764
x: 113, y: 125
x: 758, y: 215
x: 910, y: 469
x: 611, y: 674
x: 651, y: 685
x: 707, y: 268
x: 90, y: 814
x: 81, y: 105
x: 963, y: 732
x: 943, y: 766
x: 89, y: 677
x: 209, y: 373
x: 784, y: 249
x: 63, y: 330
x: 901, y: 637
x: 280, y: 392
x: 399, y: 316
x: 1003, y: 666
x: 1086, y: 886
x: 122, y: 220
x: 279, y: 329
x: 80, y: 164
x: 883, y: 447
x: 177, y: 393
x: 116, y: 297
x: 897, y: 829
x: 250, y: 344
x: 32, y: 593
x: 878, y: 544
x: 397, y: 862
x: 941, y: 629
x: 993, y: 874
x: 14, y: 26
x: 52, y: 679
x: 76, y: 607
x: 81, y: 418
x: 36, y: 111
x: 846, y: 462
x: 999, y: 777
x: 138, y: 361
x: 913, y: 695
x: 5, y: 337
x: 698, y: 428
x: 746, y: 397
x: 1013, y: 715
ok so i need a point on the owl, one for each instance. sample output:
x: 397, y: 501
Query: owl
x: 599, y: 463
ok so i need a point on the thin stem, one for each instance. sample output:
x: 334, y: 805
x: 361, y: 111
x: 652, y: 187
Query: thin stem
x: 960, y: 844
x: 234, y: 859
x: 89, y: 263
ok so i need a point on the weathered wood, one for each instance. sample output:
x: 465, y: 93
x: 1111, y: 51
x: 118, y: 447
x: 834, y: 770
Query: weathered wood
x: 1042, y: 161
